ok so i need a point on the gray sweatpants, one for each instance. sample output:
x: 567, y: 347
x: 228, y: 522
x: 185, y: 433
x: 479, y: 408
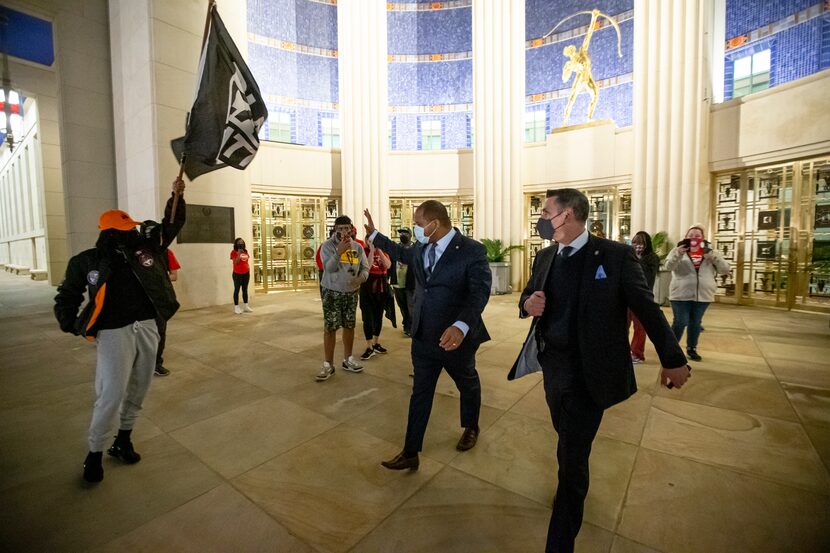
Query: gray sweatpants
x: 126, y: 360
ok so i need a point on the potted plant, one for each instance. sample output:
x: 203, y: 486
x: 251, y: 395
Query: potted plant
x: 496, y: 255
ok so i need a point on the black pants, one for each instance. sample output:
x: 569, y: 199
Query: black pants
x: 428, y: 360
x: 371, y: 309
x: 162, y: 325
x: 576, y: 419
x: 240, y: 281
x: 405, y: 299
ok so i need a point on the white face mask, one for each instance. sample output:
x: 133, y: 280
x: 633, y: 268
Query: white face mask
x: 420, y: 235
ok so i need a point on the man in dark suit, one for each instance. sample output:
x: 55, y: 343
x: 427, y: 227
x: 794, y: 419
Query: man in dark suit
x: 452, y: 287
x: 579, y: 293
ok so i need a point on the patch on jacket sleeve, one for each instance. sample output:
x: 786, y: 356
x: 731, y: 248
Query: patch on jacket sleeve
x: 92, y: 277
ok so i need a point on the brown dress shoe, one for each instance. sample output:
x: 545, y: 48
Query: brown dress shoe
x: 468, y: 439
x: 401, y: 462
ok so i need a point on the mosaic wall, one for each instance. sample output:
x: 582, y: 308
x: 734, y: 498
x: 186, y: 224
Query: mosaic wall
x: 544, y: 59
x: 797, y: 33
x: 430, y: 71
x: 292, y: 52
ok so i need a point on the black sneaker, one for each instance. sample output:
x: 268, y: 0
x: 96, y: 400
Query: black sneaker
x: 379, y: 349
x: 368, y: 354
x: 93, y: 469
x: 692, y: 354
x: 161, y: 371
x: 122, y: 448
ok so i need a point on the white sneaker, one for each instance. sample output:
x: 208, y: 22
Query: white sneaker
x: 325, y: 372
x: 237, y: 309
x: 246, y: 308
x: 351, y: 365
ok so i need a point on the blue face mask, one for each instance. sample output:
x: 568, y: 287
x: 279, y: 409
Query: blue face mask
x: 420, y: 235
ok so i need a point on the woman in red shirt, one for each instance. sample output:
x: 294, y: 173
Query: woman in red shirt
x: 241, y: 276
x: 373, y: 295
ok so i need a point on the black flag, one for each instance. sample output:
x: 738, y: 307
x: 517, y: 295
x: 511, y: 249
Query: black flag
x: 228, y: 110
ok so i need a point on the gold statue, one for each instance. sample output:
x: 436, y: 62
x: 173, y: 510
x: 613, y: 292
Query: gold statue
x: 579, y: 63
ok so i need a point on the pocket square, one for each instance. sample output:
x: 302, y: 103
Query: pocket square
x: 600, y: 273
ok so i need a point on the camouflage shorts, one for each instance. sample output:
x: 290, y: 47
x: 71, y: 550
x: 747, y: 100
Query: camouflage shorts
x: 339, y: 309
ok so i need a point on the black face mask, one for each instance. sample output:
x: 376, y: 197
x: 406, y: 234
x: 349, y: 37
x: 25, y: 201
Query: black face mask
x: 544, y: 228
x: 240, y: 247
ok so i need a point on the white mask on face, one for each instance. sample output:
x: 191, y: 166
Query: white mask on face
x: 420, y: 234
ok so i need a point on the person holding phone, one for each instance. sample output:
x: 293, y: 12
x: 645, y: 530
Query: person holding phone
x: 241, y: 276
x: 694, y: 266
x: 346, y: 268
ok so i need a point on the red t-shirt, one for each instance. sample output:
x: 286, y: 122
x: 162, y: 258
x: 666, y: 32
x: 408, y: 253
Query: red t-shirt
x: 242, y: 267
x: 377, y: 268
x: 172, y: 262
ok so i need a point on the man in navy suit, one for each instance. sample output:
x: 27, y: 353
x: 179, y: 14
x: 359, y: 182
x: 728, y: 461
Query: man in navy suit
x: 579, y: 294
x: 452, y: 287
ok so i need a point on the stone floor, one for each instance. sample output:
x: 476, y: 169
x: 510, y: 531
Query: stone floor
x: 244, y: 451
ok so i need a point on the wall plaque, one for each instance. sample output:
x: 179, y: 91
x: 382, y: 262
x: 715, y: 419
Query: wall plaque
x: 208, y: 224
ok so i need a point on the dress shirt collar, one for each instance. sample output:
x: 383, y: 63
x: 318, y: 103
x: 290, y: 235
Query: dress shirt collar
x: 576, y: 244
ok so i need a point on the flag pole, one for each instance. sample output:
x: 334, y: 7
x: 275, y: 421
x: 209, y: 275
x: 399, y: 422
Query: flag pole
x: 211, y: 6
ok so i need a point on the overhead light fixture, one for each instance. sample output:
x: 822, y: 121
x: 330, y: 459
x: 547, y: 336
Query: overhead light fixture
x: 11, y: 101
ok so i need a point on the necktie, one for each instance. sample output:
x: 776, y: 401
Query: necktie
x: 430, y: 259
x: 566, y: 251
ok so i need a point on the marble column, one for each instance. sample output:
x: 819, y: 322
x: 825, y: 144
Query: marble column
x: 670, y: 189
x: 498, y: 105
x: 361, y: 43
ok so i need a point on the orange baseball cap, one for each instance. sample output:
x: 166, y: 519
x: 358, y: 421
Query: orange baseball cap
x: 116, y: 219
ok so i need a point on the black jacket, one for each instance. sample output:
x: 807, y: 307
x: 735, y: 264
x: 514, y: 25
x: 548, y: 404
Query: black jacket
x: 90, y: 269
x: 458, y: 289
x: 602, y: 330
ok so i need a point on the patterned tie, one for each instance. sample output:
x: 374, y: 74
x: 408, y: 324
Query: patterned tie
x: 430, y: 258
x: 566, y: 251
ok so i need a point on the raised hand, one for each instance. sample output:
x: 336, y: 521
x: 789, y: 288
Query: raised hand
x: 370, y: 224
x: 178, y: 186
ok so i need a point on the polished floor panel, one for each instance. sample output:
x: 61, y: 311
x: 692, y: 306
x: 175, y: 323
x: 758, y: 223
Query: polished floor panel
x: 242, y: 450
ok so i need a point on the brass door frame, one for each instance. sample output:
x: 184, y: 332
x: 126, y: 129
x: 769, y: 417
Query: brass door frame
x: 300, y: 269
x: 795, y: 239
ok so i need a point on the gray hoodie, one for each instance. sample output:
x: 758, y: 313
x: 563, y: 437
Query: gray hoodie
x: 343, y: 273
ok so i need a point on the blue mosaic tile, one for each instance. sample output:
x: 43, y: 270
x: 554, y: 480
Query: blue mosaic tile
x: 273, y: 18
x: 316, y: 24
x: 429, y: 32
x: 430, y: 83
x: 542, y: 15
x: 795, y: 52
x: 824, y: 53
x: 407, y: 135
x: 743, y: 16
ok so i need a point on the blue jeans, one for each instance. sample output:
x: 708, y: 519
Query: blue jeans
x: 688, y: 313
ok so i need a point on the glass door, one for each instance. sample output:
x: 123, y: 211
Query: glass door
x: 813, y: 260
x: 402, y: 211
x: 287, y: 232
x: 773, y: 225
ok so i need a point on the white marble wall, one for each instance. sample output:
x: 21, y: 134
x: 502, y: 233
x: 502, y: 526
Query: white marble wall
x: 787, y: 122
x: 156, y: 48
x: 670, y: 186
x: 22, y: 230
x: 498, y: 110
x: 361, y: 43
x: 75, y: 121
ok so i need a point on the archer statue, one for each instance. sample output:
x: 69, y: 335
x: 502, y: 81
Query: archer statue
x: 579, y: 63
